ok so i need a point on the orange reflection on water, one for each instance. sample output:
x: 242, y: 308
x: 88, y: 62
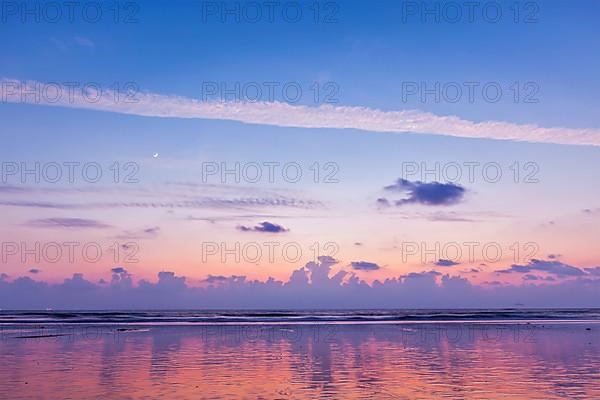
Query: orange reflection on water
x: 307, y: 362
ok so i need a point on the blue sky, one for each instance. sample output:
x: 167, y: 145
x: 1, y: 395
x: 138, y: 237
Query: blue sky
x: 368, y: 53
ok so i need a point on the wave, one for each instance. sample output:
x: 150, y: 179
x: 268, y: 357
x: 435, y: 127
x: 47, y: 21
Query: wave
x: 285, y: 316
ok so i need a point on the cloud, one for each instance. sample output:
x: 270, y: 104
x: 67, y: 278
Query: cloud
x: 236, y: 217
x: 146, y: 233
x: 152, y: 231
x: 35, y: 271
x: 68, y: 44
x: 551, y: 267
x: 593, y: 271
x: 204, y: 203
x: 591, y: 211
x: 421, y: 275
x: 265, y: 226
x: 431, y: 194
x: 364, y: 266
x: 221, y: 279
x: 313, y: 286
x: 531, y: 277
x: 493, y: 283
x: 299, y: 116
x: 383, y: 202
x: 445, y: 263
x: 85, y: 42
x: 75, y: 223
x: 449, y: 217
x: 13, y: 189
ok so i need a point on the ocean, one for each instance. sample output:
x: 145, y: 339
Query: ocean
x: 272, y: 354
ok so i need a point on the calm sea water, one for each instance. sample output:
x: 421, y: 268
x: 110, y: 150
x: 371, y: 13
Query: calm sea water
x: 409, y: 354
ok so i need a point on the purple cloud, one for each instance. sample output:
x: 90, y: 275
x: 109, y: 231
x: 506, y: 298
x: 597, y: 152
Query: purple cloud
x: 551, y: 267
x: 531, y: 277
x: 431, y: 194
x: 221, y: 279
x: 266, y: 227
x: 595, y: 271
x: 445, y: 263
x: 146, y: 233
x: 315, y: 285
x: 364, y: 266
x: 74, y: 223
x: 203, y: 203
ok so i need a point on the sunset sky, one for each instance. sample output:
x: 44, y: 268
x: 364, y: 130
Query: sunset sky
x: 365, y: 208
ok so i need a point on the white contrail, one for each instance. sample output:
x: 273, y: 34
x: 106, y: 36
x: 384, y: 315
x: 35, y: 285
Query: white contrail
x: 288, y: 115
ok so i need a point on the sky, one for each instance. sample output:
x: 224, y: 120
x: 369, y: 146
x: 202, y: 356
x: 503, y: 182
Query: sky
x: 308, y: 154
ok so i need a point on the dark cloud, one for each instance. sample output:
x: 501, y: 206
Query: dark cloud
x: 431, y: 194
x: 364, y: 266
x: 265, y: 226
x: 314, y: 285
x: 121, y: 278
x: 551, y: 267
x: 419, y: 275
x: 445, y: 263
x: 383, y: 202
x: 35, y: 271
x: 152, y: 231
x: 75, y: 223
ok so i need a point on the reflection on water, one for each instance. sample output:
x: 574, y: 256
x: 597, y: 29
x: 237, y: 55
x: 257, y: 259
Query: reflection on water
x: 304, y: 362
